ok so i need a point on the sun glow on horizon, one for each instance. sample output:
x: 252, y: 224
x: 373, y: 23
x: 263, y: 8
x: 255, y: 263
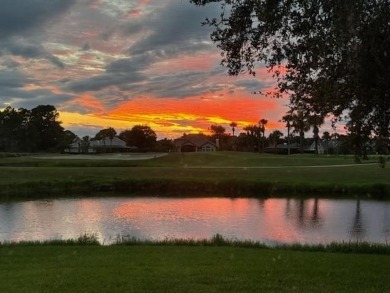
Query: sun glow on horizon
x: 171, y: 117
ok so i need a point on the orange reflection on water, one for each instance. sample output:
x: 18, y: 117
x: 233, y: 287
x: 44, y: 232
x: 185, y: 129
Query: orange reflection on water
x: 172, y: 209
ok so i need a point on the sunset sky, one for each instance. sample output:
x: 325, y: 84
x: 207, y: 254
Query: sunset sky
x: 118, y: 63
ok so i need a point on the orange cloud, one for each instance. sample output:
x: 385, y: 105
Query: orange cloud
x: 90, y: 102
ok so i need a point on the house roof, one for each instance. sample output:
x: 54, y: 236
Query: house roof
x: 194, y: 139
x: 106, y: 142
x: 286, y: 146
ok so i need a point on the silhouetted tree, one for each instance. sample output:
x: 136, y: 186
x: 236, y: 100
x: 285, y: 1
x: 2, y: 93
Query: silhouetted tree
x: 217, y: 131
x: 326, y: 138
x: 274, y: 138
x: 109, y: 133
x: 233, y: 125
x: 262, y: 124
x: 300, y: 124
x: 140, y: 136
x: 43, y: 128
x: 253, y: 133
x: 316, y: 121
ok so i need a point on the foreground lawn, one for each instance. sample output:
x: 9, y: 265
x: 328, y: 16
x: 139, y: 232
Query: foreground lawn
x: 54, y: 268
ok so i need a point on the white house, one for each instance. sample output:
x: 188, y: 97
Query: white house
x: 97, y: 146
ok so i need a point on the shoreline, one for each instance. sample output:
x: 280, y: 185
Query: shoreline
x: 195, y: 188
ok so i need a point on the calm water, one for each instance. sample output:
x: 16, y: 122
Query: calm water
x: 270, y: 221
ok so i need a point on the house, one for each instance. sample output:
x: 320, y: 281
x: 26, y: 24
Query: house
x: 194, y: 143
x: 107, y: 145
x: 284, y: 149
x: 312, y: 148
x: 77, y: 146
x: 104, y: 145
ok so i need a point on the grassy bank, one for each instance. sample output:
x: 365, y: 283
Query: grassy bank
x: 228, y: 173
x: 171, y: 267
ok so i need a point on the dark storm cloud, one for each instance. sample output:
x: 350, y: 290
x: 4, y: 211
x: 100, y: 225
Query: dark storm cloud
x: 20, y: 16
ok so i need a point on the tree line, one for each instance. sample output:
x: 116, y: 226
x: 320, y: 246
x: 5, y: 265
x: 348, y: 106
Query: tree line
x: 253, y: 138
x: 39, y: 129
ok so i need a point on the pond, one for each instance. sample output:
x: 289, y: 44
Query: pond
x: 267, y: 220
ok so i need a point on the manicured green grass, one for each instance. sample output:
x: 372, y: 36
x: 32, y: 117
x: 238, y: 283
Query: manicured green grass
x: 187, y: 269
x: 211, y: 159
x: 228, y: 173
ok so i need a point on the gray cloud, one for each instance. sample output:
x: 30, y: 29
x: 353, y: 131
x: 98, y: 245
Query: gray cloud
x: 17, y: 97
x: 135, y: 63
x: 21, y: 26
x: 28, y: 49
x: 9, y: 63
x: 175, y: 29
x: 17, y: 17
x: 12, y: 91
x: 253, y: 85
x: 103, y: 81
x: 12, y: 79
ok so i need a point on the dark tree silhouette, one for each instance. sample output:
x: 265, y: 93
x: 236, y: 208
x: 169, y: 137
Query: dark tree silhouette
x: 140, y: 136
x: 233, y: 125
x: 262, y: 124
x: 37, y: 129
x: 109, y: 133
x: 330, y: 56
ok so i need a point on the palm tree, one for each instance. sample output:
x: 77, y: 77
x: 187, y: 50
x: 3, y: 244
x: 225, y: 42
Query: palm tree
x: 326, y: 137
x: 106, y: 133
x: 287, y: 118
x: 315, y: 121
x: 233, y: 125
x: 262, y: 124
x: 253, y: 132
x: 274, y: 138
x: 299, y: 121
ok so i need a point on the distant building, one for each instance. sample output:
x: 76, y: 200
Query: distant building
x: 283, y: 149
x: 105, y: 145
x: 194, y: 143
x: 312, y: 148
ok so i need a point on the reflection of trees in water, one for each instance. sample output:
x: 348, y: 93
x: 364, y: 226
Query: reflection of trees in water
x: 357, y: 230
x: 315, y: 218
x: 386, y: 226
x: 302, y: 215
x: 287, y: 211
x: 261, y: 203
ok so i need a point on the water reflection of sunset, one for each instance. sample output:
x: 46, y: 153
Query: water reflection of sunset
x: 266, y: 220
